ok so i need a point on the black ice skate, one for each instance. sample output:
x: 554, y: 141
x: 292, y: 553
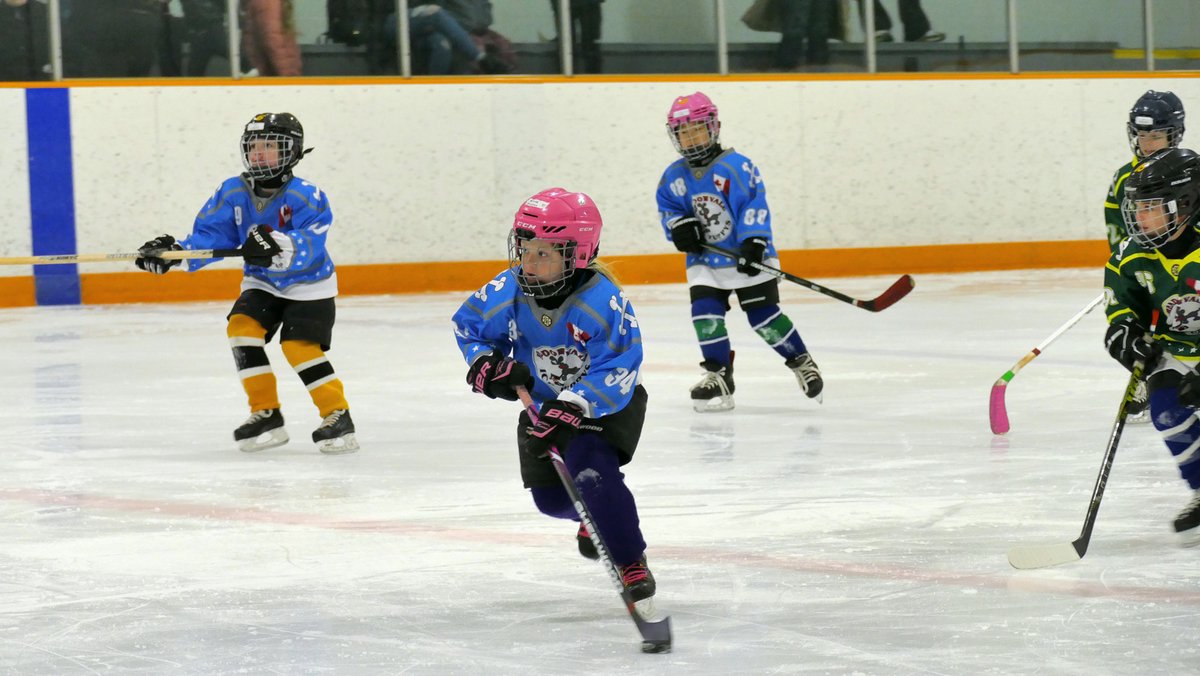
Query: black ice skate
x: 808, y: 375
x: 714, y: 392
x: 639, y: 582
x: 586, y: 547
x: 1187, y: 521
x: 1138, y: 410
x: 262, y: 430
x: 336, y: 434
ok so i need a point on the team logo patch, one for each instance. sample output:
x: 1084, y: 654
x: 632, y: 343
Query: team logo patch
x: 547, y: 320
x: 285, y: 217
x: 711, y: 212
x: 560, y: 366
x: 1182, y: 314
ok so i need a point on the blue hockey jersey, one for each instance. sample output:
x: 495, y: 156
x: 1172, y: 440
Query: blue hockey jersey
x: 299, y: 209
x: 587, y: 351
x: 728, y: 198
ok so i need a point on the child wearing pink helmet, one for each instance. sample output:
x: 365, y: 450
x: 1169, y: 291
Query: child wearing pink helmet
x: 555, y: 323
x: 715, y: 195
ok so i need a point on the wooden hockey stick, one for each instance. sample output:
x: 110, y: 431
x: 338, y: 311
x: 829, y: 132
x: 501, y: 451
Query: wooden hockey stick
x: 656, y: 634
x: 1024, y: 557
x: 997, y: 411
x: 110, y: 257
x: 899, y: 289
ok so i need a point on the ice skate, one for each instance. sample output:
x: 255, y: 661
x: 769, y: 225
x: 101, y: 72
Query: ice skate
x: 336, y: 434
x: 714, y: 392
x: 808, y: 375
x: 639, y: 582
x: 262, y: 430
x: 1186, y: 523
x: 1139, y: 406
x: 587, y: 548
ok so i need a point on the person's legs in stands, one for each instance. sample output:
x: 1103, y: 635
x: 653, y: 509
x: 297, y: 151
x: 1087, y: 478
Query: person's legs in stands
x: 587, y: 12
x: 793, y: 22
x: 916, y: 24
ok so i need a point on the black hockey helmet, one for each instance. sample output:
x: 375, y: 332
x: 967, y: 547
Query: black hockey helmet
x: 285, y: 132
x: 1162, y: 196
x: 1155, y: 111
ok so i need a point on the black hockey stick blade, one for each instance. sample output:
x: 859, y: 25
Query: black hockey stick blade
x: 899, y: 289
x: 1025, y: 557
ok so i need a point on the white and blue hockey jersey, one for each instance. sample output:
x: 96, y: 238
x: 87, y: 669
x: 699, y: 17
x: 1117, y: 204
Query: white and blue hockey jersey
x: 300, y: 210
x: 587, y: 351
x: 728, y: 198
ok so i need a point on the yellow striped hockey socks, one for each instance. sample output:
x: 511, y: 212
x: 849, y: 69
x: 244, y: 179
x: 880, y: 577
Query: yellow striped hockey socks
x: 247, y: 339
x: 315, y: 371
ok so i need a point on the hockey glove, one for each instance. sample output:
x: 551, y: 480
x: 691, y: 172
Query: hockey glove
x: 496, y: 376
x: 1189, y: 390
x: 686, y: 237
x: 153, y: 264
x: 753, y: 250
x: 1126, y: 344
x: 558, y: 423
x: 260, y: 246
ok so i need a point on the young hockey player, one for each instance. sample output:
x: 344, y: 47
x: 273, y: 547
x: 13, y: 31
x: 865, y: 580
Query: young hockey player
x: 715, y: 195
x: 555, y: 323
x: 281, y: 222
x: 1148, y: 272
x: 1155, y: 122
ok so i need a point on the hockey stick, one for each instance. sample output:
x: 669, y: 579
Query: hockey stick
x: 1024, y: 557
x: 656, y: 634
x: 109, y: 257
x: 997, y: 412
x: 899, y: 289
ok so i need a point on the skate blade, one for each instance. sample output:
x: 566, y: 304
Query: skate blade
x: 268, y: 439
x: 647, y: 610
x: 714, y: 405
x: 1139, y: 418
x: 343, y: 444
x: 1190, y: 539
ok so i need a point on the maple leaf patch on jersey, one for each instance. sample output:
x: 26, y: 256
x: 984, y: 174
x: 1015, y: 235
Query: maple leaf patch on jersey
x: 577, y: 334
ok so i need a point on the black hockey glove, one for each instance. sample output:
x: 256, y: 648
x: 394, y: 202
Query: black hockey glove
x: 753, y: 250
x: 153, y: 264
x: 1126, y: 344
x: 686, y: 237
x: 497, y: 376
x: 260, y: 246
x: 1189, y: 390
x: 558, y: 423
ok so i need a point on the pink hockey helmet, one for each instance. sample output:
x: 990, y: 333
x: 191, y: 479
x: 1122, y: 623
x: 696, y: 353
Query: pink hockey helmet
x: 690, y: 109
x: 569, y: 220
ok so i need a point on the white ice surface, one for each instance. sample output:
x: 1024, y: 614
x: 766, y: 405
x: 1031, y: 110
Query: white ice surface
x: 864, y: 536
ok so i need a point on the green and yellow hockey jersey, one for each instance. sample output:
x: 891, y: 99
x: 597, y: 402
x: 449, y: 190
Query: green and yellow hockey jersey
x: 1137, y: 281
x: 1112, y: 206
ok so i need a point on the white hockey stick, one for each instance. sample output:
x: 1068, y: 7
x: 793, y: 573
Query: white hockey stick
x: 62, y: 259
x: 997, y: 412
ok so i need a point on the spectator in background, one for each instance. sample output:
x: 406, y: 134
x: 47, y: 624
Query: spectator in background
x: 23, y: 52
x: 447, y: 37
x: 205, y: 33
x: 269, y: 37
x: 111, y: 38
x: 916, y: 25
x: 585, y: 34
x: 801, y: 21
